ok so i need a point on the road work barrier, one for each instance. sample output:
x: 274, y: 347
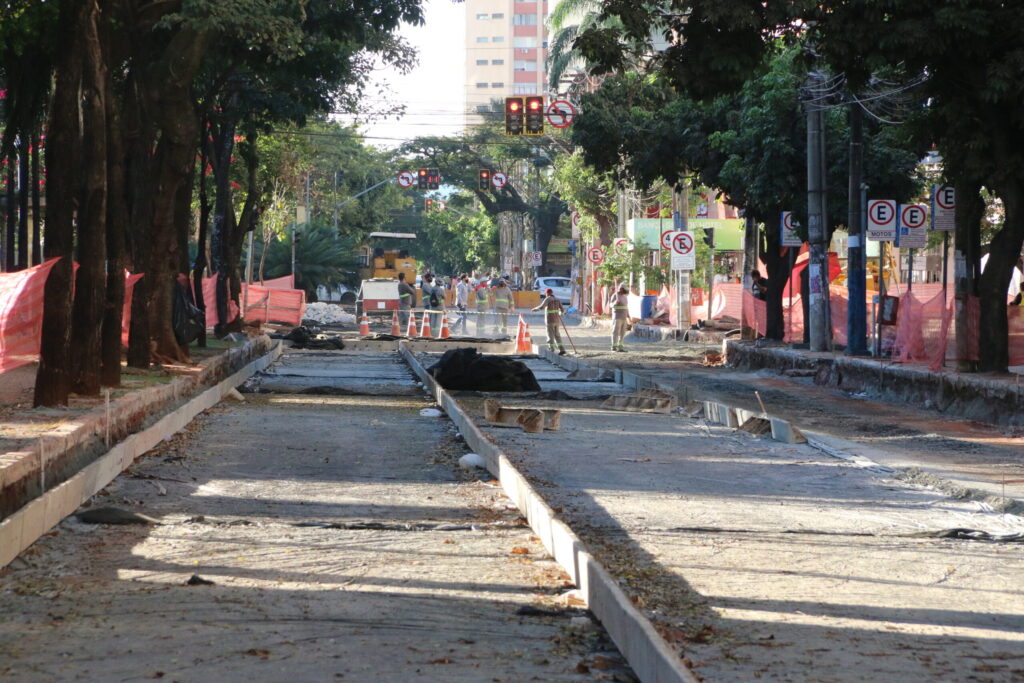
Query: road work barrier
x: 21, y: 313
x: 652, y: 659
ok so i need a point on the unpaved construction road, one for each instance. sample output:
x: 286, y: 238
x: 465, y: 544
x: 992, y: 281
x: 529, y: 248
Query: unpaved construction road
x: 341, y: 541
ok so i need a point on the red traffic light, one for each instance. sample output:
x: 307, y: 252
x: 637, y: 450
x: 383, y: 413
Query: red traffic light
x: 513, y: 105
x: 534, y: 104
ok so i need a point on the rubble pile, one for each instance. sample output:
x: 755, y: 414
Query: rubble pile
x: 326, y: 314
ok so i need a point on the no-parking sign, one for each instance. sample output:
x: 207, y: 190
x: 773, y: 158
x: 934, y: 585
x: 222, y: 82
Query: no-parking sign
x: 788, y: 227
x: 881, y: 220
x: 595, y: 255
x: 684, y: 256
x: 943, y: 207
x: 913, y: 226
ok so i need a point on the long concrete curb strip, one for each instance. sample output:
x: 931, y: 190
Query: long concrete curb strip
x: 652, y: 659
x: 21, y: 529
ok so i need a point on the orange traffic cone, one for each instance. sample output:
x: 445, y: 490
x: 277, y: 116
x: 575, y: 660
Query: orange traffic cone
x: 395, y: 332
x: 445, y: 334
x: 425, y: 328
x: 364, y: 326
x: 521, y: 336
x: 527, y: 341
x: 410, y: 331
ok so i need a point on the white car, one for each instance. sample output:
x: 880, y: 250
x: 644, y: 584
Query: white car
x: 560, y: 286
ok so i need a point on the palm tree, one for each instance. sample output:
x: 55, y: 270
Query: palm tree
x: 322, y: 257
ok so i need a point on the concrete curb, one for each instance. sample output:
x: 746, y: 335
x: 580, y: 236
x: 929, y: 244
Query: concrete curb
x: 24, y: 527
x: 652, y: 659
x: 967, y: 395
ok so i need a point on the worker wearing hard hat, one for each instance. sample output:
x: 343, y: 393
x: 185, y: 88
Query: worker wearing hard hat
x: 552, y: 317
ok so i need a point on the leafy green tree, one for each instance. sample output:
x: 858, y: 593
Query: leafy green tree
x: 459, y: 239
x: 322, y: 257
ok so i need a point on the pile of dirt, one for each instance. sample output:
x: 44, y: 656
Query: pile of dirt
x: 467, y: 369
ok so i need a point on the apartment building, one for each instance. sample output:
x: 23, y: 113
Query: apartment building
x: 506, y: 48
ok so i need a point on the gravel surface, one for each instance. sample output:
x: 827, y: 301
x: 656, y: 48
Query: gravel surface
x: 340, y: 540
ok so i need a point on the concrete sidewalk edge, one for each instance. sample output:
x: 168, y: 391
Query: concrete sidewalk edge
x: 652, y: 659
x: 25, y: 526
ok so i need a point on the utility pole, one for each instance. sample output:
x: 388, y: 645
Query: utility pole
x: 750, y: 239
x: 680, y: 211
x: 856, y: 280
x: 816, y: 228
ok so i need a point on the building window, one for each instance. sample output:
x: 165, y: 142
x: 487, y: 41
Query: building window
x: 524, y: 89
x: 525, y: 19
x: 481, y: 39
x: 525, y: 41
x: 481, y: 62
x: 524, y: 65
x: 497, y: 62
x: 481, y: 85
x: 497, y: 85
x: 483, y: 16
x: 498, y: 39
x: 498, y: 15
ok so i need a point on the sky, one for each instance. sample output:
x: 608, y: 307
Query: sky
x: 431, y: 92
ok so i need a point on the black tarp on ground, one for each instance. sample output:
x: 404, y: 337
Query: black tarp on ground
x: 467, y: 369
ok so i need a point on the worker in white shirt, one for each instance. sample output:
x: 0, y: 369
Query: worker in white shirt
x: 461, y: 303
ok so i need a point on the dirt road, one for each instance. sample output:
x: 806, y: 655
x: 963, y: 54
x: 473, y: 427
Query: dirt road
x: 341, y: 541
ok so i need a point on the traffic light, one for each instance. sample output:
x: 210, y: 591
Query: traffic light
x: 513, y: 116
x: 485, y: 179
x: 709, y: 237
x: 535, y: 115
x: 428, y: 205
x: 433, y: 178
x: 422, y: 179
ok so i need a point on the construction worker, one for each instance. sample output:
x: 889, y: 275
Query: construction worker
x: 461, y: 303
x: 406, y: 298
x: 619, y: 304
x: 483, y: 303
x: 502, y: 305
x: 433, y: 301
x: 552, y: 317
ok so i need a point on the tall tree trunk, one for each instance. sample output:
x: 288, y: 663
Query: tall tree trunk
x: 90, y: 282
x: 139, y: 139
x: 53, y: 379
x: 223, y: 214
x: 1004, y: 251
x: 37, y: 215
x: 23, y: 193
x: 117, y: 228
x: 970, y: 209
x: 11, y: 213
x: 169, y: 100
x: 199, y: 269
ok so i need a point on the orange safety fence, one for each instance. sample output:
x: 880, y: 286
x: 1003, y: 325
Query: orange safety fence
x: 21, y: 313
x: 755, y: 315
x: 274, y: 305
x: 284, y: 282
x: 126, y: 309
x: 270, y: 302
x: 210, y: 302
x: 727, y: 301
